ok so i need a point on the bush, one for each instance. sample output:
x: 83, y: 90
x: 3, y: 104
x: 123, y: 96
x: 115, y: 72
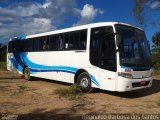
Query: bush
x: 3, y: 65
x: 156, y: 72
x: 73, y: 92
x: 157, y: 66
x: 23, y: 87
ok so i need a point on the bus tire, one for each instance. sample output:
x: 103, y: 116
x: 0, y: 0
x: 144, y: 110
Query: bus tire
x: 27, y: 73
x: 84, y: 82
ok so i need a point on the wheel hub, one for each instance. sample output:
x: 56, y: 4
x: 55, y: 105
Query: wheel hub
x: 84, y: 83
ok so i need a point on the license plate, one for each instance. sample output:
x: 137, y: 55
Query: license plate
x: 143, y: 82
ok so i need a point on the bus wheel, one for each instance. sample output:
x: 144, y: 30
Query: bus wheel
x: 27, y: 73
x: 84, y: 82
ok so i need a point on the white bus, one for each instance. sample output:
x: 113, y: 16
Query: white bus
x: 110, y: 56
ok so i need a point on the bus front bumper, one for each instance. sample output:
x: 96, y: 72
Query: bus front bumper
x: 125, y: 84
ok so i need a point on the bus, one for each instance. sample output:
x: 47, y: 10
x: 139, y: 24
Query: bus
x: 110, y: 56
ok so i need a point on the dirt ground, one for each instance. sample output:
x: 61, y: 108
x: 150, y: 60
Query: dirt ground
x: 37, y: 101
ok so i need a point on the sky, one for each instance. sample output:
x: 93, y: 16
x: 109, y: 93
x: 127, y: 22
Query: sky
x: 25, y: 17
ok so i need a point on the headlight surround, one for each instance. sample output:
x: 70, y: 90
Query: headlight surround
x: 125, y: 75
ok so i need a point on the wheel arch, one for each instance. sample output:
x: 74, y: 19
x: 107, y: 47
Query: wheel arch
x: 24, y: 68
x: 78, y: 73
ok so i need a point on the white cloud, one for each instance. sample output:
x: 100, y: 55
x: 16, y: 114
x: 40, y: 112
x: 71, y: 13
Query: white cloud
x: 47, y: 4
x: 88, y: 11
x: 155, y: 4
x: 30, y: 18
x: 1, y: 24
x: 87, y: 14
x: 37, y: 25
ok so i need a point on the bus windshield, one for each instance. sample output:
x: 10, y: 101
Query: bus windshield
x: 134, y: 48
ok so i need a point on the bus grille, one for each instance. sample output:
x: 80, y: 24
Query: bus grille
x: 139, y: 84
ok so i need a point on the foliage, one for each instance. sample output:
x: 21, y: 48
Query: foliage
x: 73, y: 92
x: 3, y: 65
x: 156, y: 51
x: 138, y: 10
x: 156, y: 72
x: 144, y: 9
x: 156, y: 39
x: 156, y: 60
x: 3, y: 51
x: 22, y: 87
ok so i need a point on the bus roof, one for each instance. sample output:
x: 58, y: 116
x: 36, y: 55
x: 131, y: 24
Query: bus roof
x: 77, y: 28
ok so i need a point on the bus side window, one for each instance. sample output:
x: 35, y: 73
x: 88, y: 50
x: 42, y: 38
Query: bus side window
x: 66, y: 38
x: 27, y: 45
x: 49, y: 44
x: 83, y: 40
x: 73, y: 41
x: 42, y: 45
x: 16, y: 46
x: 59, y: 42
x: 76, y: 40
x: 36, y: 44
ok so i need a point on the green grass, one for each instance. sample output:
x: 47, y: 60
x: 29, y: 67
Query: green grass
x: 3, y: 65
x: 72, y: 93
x: 23, y: 87
x: 158, y: 102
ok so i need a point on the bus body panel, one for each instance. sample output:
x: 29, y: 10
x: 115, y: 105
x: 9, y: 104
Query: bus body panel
x: 108, y: 80
x: 49, y: 65
x: 141, y: 79
x: 124, y: 84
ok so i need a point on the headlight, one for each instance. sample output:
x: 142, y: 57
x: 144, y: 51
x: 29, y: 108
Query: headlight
x: 125, y: 75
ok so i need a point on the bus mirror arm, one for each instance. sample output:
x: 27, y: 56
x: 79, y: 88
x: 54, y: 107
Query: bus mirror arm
x: 118, y: 39
x: 117, y: 50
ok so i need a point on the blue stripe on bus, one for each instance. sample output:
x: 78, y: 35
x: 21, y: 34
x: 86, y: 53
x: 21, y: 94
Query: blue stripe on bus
x: 52, y: 70
x: 16, y: 65
x: 94, y: 80
x: 21, y: 59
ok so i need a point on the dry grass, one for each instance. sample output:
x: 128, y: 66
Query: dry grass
x: 73, y: 92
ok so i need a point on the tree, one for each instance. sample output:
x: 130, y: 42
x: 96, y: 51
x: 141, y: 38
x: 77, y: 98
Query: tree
x: 156, y: 39
x: 138, y: 10
x: 156, y: 51
x: 3, y: 52
x: 142, y: 8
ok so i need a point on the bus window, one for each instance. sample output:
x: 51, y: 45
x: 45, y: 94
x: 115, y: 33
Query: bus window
x: 83, y: 40
x: 14, y: 46
x: 59, y: 42
x: 76, y: 40
x: 27, y: 45
x: 40, y: 44
x: 73, y: 41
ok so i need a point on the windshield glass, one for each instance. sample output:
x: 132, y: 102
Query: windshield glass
x: 134, y: 48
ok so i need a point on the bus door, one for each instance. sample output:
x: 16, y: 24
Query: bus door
x: 108, y: 62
